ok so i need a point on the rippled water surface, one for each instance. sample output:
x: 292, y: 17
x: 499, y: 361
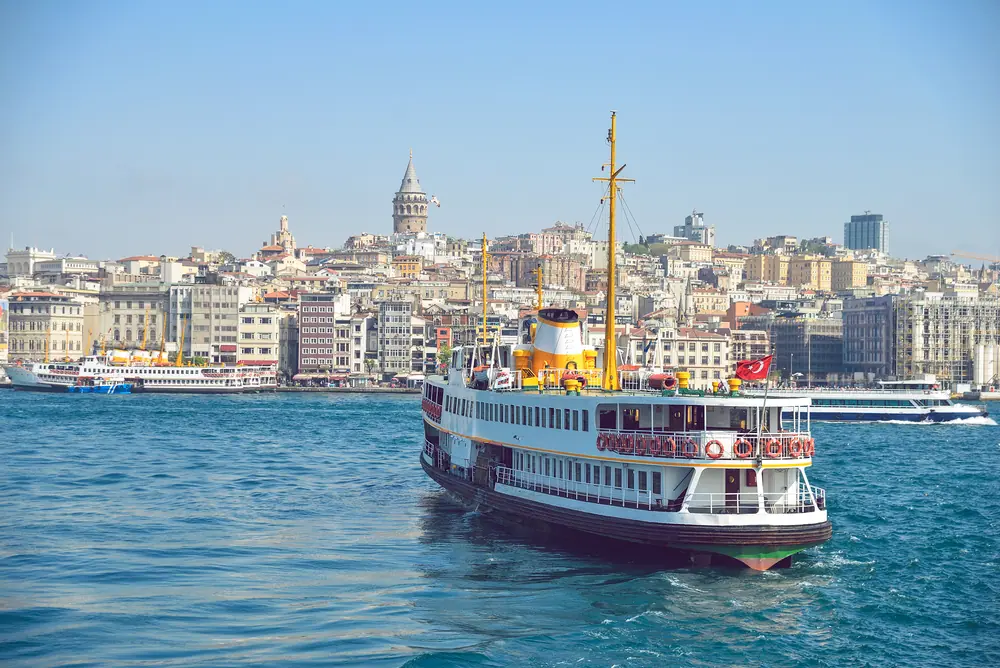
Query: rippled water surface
x: 300, y: 530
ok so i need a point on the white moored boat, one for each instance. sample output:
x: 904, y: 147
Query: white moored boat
x: 537, y: 434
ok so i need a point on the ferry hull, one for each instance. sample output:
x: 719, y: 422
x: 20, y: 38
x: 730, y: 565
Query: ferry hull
x: 759, y: 548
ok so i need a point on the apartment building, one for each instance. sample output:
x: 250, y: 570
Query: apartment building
x: 323, y: 332
x: 210, y: 316
x: 130, y: 314
x: 748, y: 344
x: 45, y: 325
x: 259, y: 334
x: 810, y: 273
x: 869, y: 333
x: 767, y: 268
x: 848, y: 275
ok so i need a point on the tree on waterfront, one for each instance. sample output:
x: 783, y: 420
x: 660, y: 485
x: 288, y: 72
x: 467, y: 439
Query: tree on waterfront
x: 444, y: 354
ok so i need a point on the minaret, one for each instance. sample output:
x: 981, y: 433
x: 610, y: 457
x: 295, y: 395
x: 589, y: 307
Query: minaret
x: 409, y: 206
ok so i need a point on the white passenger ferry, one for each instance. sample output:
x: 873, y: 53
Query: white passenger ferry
x: 143, y: 374
x: 537, y: 434
x: 916, y: 400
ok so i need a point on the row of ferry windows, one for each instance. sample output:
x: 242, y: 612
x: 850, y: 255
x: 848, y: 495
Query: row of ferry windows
x: 879, y: 403
x: 605, y: 475
x: 528, y: 416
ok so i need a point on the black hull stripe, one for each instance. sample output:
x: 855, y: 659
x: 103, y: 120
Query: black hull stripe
x: 633, y: 531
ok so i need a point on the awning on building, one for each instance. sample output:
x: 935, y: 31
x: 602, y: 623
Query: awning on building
x: 227, y: 348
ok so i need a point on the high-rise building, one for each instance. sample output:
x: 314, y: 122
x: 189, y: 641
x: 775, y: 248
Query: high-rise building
x: 694, y: 229
x: 867, y: 231
x: 409, y: 206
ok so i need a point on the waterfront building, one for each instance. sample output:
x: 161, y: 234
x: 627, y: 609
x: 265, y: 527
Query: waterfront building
x: 210, y: 314
x: 128, y: 313
x: 694, y: 229
x: 318, y: 315
x: 403, y: 339
x: 869, y: 335
x: 259, y: 334
x: 867, y: 231
x: 409, y: 206
x: 45, y: 325
x: 808, y: 345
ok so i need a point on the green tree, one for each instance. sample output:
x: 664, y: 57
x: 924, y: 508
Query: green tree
x: 444, y: 354
x: 225, y: 257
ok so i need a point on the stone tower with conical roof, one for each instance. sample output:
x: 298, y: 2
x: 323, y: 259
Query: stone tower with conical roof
x: 409, y: 206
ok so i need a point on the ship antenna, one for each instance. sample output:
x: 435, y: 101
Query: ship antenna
x: 610, y: 380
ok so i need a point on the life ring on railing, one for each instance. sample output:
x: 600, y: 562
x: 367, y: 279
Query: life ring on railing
x: 773, y: 449
x: 742, y: 448
x: 602, y: 442
x: 640, y: 444
x: 810, y: 447
x: 668, y: 447
x: 630, y: 444
x: 713, y: 449
x: 795, y: 448
x: 654, y: 445
x: 690, y: 448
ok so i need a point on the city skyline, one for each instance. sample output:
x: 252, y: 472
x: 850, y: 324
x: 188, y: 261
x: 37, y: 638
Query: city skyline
x: 151, y: 129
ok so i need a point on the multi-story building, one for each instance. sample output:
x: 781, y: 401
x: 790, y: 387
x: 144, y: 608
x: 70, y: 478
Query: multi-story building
x: 364, y: 333
x: 131, y: 314
x: 318, y: 327
x: 748, y: 344
x: 867, y: 231
x: 288, y: 342
x: 210, y: 314
x: 869, y: 335
x: 767, y: 268
x: 810, y: 346
x: 259, y: 334
x: 408, y: 266
x: 810, y: 273
x: 939, y: 333
x: 22, y: 262
x: 399, y: 331
x: 694, y: 229
x: 45, y: 325
x: 848, y: 275
x: 705, y: 355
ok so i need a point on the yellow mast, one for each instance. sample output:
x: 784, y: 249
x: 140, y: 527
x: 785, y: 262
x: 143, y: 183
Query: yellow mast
x: 538, y: 288
x: 104, y: 342
x: 485, y: 293
x: 610, y: 380
x: 180, y: 346
x: 48, y: 341
x: 145, y: 329
x: 163, y: 334
x: 86, y: 349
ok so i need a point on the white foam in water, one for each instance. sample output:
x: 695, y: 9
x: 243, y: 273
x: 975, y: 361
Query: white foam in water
x: 977, y: 420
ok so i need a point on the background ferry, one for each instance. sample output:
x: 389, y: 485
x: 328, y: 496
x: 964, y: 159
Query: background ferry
x: 147, y: 372
x: 918, y: 400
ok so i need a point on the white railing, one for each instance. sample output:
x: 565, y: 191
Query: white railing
x: 723, y: 502
x: 582, y: 491
x: 710, y: 445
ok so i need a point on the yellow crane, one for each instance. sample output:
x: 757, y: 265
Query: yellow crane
x: 163, y: 335
x: 974, y: 256
x: 180, y: 346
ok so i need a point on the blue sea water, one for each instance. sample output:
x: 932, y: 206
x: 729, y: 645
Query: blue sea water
x: 288, y: 530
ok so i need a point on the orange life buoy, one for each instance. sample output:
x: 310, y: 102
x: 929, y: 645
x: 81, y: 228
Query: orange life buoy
x: 668, y: 447
x: 773, y: 448
x: 742, y: 448
x: 713, y: 449
x: 795, y: 448
x: 690, y: 448
x: 654, y: 445
x: 810, y: 447
x: 644, y: 445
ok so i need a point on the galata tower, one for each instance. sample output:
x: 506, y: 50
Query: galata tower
x: 409, y: 206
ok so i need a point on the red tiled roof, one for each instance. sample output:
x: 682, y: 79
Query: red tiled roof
x: 138, y: 258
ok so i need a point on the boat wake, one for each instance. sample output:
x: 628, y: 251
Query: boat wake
x: 976, y: 420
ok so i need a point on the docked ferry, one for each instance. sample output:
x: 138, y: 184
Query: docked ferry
x: 917, y: 400
x: 537, y: 434
x: 143, y: 375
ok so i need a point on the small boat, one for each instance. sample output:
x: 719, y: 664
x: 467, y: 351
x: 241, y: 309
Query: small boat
x: 100, y: 385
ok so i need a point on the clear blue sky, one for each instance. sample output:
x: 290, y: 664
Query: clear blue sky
x: 135, y: 127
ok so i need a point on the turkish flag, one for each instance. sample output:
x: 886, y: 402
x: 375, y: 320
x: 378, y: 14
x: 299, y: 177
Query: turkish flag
x: 754, y: 369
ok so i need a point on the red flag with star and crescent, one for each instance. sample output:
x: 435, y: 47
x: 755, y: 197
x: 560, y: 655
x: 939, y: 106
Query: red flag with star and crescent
x: 754, y: 369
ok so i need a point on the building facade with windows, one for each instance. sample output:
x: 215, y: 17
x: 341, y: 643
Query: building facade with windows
x: 45, y: 325
x: 324, y: 323
x: 866, y: 232
x: 259, y: 334
x: 130, y: 312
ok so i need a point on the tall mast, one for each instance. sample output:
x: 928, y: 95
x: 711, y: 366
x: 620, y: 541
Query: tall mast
x: 485, y: 260
x: 145, y: 329
x: 538, y: 288
x: 163, y: 336
x: 610, y: 380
